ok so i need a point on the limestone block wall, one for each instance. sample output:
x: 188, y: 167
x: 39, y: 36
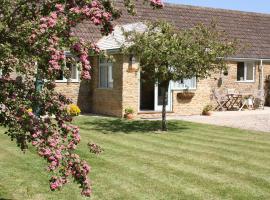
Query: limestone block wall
x: 107, y: 101
x: 79, y: 92
x: 126, y: 89
x: 195, y: 105
x: 222, y: 82
x: 131, y: 86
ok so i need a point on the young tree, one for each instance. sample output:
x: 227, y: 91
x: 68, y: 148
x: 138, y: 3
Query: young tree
x: 33, y: 37
x: 167, y: 54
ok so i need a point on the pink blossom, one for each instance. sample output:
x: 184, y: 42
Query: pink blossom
x: 42, y: 30
x: 157, y: 3
x: 87, y: 192
x: 51, y: 22
x: 43, y: 26
x: 54, y: 15
x: 107, y: 16
x: 87, y: 67
x: 77, y: 47
x: 84, y: 57
x: 85, y: 75
x: 55, y: 185
x: 86, y: 167
x: 96, y: 21
x: 59, y: 7
x: 75, y: 10
x: 43, y: 19
x: 54, y: 64
x: 47, y: 152
x: 94, y: 4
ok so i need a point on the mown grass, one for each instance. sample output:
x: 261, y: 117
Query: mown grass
x: 191, y: 161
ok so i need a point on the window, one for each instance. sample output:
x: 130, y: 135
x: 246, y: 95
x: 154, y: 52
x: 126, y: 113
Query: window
x: 73, y: 70
x: 245, y: 71
x: 185, y: 84
x: 105, y: 73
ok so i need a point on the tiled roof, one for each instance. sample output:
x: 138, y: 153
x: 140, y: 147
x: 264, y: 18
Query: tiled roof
x: 251, y: 29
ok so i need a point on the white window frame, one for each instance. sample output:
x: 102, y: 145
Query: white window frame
x: 245, y: 73
x: 65, y: 80
x: 110, y: 79
x: 176, y: 85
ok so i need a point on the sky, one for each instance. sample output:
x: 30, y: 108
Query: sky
x: 262, y: 6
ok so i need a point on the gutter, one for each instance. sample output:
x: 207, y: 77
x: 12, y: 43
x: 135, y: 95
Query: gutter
x: 246, y: 59
x: 262, y: 76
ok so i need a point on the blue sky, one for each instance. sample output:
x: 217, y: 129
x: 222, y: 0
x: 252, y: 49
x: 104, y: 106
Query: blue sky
x: 262, y: 6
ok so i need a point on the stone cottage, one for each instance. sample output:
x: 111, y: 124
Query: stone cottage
x: 119, y: 84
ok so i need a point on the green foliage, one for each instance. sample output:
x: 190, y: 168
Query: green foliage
x: 129, y: 111
x: 167, y: 53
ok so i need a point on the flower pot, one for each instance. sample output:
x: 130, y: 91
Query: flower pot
x: 207, y: 113
x: 129, y: 116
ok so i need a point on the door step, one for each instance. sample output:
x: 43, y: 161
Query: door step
x: 153, y: 114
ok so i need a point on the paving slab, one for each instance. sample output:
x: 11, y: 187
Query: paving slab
x: 258, y: 120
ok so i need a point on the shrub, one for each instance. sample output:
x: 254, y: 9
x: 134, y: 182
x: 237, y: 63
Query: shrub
x: 206, y: 109
x: 74, y: 110
x: 94, y: 148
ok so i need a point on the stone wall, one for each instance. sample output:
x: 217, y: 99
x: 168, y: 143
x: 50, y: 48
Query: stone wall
x: 79, y: 92
x: 125, y: 92
x: 196, y: 104
x: 107, y: 101
x: 222, y: 82
x: 131, y: 86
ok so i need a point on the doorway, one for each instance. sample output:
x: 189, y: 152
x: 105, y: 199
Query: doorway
x: 150, y: 95
x: 147, y: 93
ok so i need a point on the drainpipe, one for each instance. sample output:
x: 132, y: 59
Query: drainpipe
x: 262, y: 76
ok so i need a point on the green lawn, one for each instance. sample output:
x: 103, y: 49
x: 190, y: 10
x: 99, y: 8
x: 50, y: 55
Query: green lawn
x: 191, y: 161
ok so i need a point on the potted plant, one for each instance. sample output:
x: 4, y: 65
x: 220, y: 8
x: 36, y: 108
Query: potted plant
x: 129, y: 113
x: 207, y: 110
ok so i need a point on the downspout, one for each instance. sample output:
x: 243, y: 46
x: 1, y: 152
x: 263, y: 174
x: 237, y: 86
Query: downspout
x: 262, y: 76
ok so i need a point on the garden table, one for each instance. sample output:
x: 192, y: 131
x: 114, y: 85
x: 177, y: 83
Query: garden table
x: 235, y: 99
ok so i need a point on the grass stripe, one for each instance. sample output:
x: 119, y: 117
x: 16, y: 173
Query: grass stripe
x: 177, y: 157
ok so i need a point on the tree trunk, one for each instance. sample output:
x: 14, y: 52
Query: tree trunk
x: 164, y: 89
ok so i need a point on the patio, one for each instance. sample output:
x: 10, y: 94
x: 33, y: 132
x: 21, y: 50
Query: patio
x: 258, y: 120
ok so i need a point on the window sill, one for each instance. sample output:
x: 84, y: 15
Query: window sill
x: 100, y: 88
x: 245, y: 81
x: 184, y: 90
x: 65, y: 81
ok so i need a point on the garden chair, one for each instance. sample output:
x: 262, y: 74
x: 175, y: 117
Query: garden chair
x: 259, y: 99
x: 221, y: 100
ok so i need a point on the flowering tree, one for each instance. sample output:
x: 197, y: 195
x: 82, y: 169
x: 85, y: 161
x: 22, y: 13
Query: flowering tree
x: 167, y: 54
x: 33, y: 37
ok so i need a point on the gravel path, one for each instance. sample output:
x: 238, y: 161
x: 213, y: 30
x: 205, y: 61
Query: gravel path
x: 258, y: 120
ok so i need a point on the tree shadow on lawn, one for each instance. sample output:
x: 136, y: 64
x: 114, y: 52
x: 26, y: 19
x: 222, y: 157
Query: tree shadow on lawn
x: 108, y: 126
